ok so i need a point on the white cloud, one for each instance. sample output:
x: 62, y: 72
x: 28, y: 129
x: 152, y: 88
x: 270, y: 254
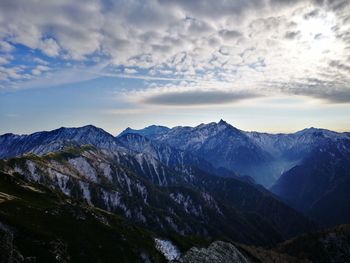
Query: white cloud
x: 5, y: 46
x: 249, y: 44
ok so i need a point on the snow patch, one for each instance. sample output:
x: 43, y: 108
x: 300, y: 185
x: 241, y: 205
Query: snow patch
x: 62, y: 181
x: 32, y: 170
x: 82, y: 165
x: 167, y: 248
x: 86, y: 191
x: 107, y: 171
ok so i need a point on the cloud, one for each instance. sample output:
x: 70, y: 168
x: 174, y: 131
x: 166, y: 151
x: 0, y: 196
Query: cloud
x: 198, y: 97
x: 5, y: 46
x: 292, y: 34
x: 340, y: 66
x: 312, y: 14
x: 245, y: 43
x: 229, y: 34
x: 130, y: 71
x: 328, y: 91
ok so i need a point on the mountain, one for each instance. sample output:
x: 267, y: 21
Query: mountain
x: 296, y: 146
x: 149, y: 131
x: 40, y: 224
x: 49, y: 141
x: 319, y: 185
x: 313, y: 162
x: 223, y: 146
x: 156, y: 197
x: 177, y: 159
x: 176, y: 188
x: 228, y: 150
x: 262, y: 156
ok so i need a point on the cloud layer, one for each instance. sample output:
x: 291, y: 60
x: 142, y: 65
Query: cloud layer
x: 231, y: 49
x: 198, y: 97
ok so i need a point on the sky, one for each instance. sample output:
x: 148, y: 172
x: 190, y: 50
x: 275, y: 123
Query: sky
x: 263, y: 65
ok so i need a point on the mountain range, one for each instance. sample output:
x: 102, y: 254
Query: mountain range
x: 184, y: 185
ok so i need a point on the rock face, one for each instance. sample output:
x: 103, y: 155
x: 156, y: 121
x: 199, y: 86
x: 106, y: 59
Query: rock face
x: 218, y: 252
x: 167, y: 248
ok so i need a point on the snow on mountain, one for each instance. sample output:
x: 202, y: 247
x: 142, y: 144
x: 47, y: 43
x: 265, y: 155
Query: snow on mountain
x: 218, y: 148
x: 167, y: 248
x: 221, y: 145
x: 297, y: 145
x: 149, y: 131
x: 49, y: 141
x: 218, y: 252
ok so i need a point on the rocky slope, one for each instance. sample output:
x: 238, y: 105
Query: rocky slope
x: 152, y: 195
x: 38, y: 224
x: 330, y: 245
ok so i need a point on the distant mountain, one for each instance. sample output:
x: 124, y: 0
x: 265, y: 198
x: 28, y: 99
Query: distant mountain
x: 296, y: 146
x: 319, y: 185
x: 223, y: 146
x: 49, y: 141
x: 263, y: 157
x: 149, y: 131
x: 182, y: 161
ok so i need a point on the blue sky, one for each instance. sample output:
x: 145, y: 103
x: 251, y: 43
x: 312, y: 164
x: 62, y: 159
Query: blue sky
x: 266, y: 65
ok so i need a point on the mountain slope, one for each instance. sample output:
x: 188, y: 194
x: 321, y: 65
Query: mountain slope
x: 326, y: 246
x: 183, y: 203
x: 319, y: 185
x: 38, y: 224
x: 177, y: 159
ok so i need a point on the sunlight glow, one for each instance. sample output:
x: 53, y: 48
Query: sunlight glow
x: 317, y: 33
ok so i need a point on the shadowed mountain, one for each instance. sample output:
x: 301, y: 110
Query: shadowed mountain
x: 319, y: 185
x: 325, y: 246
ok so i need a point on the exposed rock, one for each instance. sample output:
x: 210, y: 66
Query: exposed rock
x: 218, y: 252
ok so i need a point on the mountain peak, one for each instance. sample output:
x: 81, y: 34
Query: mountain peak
x: 150, y: 131
x: 222, y: 122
